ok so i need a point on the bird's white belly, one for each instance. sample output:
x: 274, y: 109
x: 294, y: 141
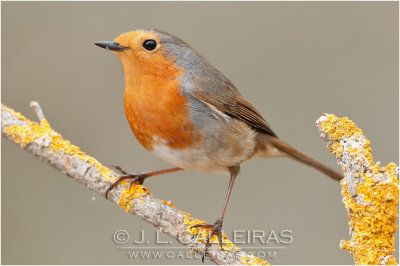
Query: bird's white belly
x: 194, y: 159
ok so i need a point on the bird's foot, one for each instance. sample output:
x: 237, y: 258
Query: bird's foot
x: 216, y: 229
x: 136, y: 178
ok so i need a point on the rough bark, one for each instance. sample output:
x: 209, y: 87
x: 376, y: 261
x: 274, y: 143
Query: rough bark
x: 370, y: 192
x: 49, y: 146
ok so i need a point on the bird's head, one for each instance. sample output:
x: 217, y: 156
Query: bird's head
x: 148, y: 51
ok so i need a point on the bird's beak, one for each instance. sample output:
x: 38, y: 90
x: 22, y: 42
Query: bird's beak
x: 110, y: 45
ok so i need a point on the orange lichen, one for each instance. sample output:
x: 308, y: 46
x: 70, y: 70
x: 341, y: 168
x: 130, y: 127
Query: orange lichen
x: 32, y: 132
x: 170, y: 203
x: 337, y: 128
x: 353, y: 152
x: 189, y: 222
x: 374, y: 224
x: 373, y: 216
x: 201, y: 234
x: 27, y: 135
x: 336, y: 148
x: 367, y: 152
x: 127, y: 196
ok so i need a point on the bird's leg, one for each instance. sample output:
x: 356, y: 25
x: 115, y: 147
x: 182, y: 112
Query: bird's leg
x: 137, y: 178
x: 216, y: 228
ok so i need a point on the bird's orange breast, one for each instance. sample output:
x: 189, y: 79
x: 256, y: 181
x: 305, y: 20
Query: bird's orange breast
x: 157, y: 111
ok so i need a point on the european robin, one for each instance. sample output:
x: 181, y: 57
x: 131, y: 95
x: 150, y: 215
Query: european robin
x: 185, y: 111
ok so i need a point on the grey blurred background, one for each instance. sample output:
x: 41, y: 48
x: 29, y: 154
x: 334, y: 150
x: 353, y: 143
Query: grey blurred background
x: 292, y: 60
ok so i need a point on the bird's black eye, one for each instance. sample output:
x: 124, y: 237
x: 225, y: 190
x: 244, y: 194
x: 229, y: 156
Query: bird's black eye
x: 150, y: 45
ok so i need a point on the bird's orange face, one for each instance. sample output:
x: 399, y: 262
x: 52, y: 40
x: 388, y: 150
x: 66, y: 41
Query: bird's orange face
x: 134, y: 40
x: 144, y: 53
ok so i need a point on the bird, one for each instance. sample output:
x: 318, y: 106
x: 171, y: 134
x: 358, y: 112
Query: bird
x: 186, y: 112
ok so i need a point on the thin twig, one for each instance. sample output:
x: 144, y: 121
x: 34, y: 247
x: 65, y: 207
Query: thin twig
x: 38, y: 110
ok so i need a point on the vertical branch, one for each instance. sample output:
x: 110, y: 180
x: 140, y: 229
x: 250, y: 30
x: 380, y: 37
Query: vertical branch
x: 370, y: 192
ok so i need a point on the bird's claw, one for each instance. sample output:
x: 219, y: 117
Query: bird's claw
x: 216, y: 229
x: 138, y: 179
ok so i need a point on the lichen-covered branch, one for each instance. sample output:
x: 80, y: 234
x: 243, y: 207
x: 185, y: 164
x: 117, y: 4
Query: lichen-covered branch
x: 42, y: 141
x: 370, y: 192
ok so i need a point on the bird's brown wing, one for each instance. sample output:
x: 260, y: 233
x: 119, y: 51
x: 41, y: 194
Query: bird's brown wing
x: 230, y: 102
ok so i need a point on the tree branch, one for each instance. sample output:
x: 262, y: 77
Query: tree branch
x: 370, y: 192
x: 43, y: 142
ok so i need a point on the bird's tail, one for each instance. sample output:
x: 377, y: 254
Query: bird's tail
x: 303, y: 158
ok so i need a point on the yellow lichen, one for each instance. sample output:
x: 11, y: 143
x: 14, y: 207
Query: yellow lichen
x: 373, y: 220
x: 337, y: 128
x: 367, y: 152
x: 33, y: 132
x: 127, y: 196
x: 374, y: 224
x: 353, y: 152
x: 189, y: 222
x: 336, y: 148
x: 201, y: 234
x: 25, y: 135
x: 170, y: 203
